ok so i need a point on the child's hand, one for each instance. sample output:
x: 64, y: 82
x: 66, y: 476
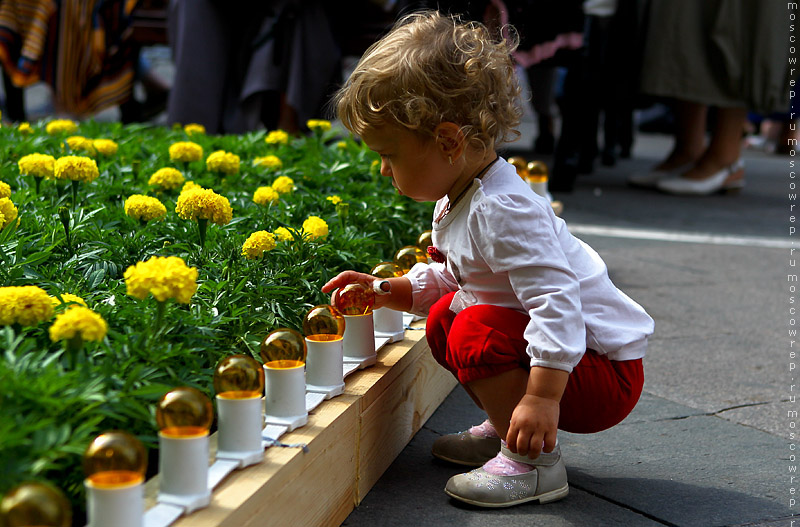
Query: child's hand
x: 534, y: 422
x: 348, y: 277
x: 399, y: 298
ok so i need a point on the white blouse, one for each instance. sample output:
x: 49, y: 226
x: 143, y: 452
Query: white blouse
x: 504, y: 246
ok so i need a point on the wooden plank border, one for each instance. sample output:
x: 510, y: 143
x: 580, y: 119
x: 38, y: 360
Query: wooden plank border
x: 352, y: 439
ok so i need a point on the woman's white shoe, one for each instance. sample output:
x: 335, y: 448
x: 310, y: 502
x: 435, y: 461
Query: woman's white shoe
x: 728, y: 179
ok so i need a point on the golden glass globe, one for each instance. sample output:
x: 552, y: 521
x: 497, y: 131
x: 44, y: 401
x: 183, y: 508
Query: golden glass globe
x: 537, y: 172
x: 283, y: 348
x: 386, y: 270
x: 354, y: 299
x: 115, y: 459
x: 184, y: 412
x: 323, y: 322
x: 521, y: 165
x: 35, y: 503
x: 408, y: 256
x: 239, y: 377
x: 424, y: 241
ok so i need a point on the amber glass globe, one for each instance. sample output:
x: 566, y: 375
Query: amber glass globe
x: 184, y: 412
x: 354, y: 299
x: 424, y: 241
x: 115, y: 459
x: 35, y: 503
x: 323, y: 322
x: 239, y: 377
x: 521, y: 165
x: 408, y: 256
x: 537, y: 172
x: 283, y: 348
x: 386, y: 270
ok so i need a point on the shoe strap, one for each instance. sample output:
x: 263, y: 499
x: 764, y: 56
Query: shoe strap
x: 545, y: 459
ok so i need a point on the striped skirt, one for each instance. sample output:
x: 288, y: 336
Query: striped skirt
x: 81, y: 48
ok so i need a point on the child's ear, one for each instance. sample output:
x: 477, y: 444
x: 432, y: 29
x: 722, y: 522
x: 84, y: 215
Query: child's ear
x: 449, y: 139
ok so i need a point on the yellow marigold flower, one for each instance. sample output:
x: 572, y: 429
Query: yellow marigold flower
x: 58, y: 126
x: 8, y: 210
x: 334, y: 199
x: 222, y: 161
x: 5, y: 190
x: 204, y: 204
x: 185, y: 151
x: 194, y: 128
x: 67, y: 298
x: 266, y: 196
x: 277, y: 137
x: 268, y: 162
x: 318, y: 125
x: 283, y: 184
x: 76, y: 168
x: 163, y: 277
x: 24, y: 305
x: 78, y: 321
x: 341, y: 145
x: 190, y: 185
x: 25, y: 128
x: 37, y: 165
x: 258, y: 243
x: 78, y: 143
x: 167, y: 178
x: 315, y: 227
x: 107, y: 147
x: 375, y: 163
x: 144, y: 208
x: 283, y: 234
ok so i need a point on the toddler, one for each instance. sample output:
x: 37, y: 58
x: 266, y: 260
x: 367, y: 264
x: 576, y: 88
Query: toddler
x: 519, y: 310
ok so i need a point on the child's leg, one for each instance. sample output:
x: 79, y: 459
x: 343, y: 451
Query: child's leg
x: 499, y: 396
x: 475, y: 446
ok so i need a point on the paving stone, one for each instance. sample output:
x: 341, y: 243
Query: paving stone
x: 683, y: 470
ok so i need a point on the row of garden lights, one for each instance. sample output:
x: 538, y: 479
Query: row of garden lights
x: 115, y: 462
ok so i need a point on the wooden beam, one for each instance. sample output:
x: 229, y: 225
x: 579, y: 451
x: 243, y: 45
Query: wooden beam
x: 351, y: 441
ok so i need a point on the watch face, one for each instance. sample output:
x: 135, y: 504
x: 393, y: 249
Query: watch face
x: 382, y: 287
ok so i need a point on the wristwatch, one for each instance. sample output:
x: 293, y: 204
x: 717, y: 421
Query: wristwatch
x: 382, y: 287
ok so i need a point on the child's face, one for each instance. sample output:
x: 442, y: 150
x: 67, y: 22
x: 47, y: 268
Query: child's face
x: 417, y: 166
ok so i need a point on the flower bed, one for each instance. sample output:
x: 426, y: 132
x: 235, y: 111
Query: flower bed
x: 134, y: 257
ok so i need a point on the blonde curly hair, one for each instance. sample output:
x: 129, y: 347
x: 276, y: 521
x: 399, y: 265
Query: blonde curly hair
x: 432, y: 69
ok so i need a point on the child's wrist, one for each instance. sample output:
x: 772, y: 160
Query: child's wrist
x: 547, y: 383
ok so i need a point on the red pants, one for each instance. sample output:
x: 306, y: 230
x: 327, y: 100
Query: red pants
x: 483, y: 341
